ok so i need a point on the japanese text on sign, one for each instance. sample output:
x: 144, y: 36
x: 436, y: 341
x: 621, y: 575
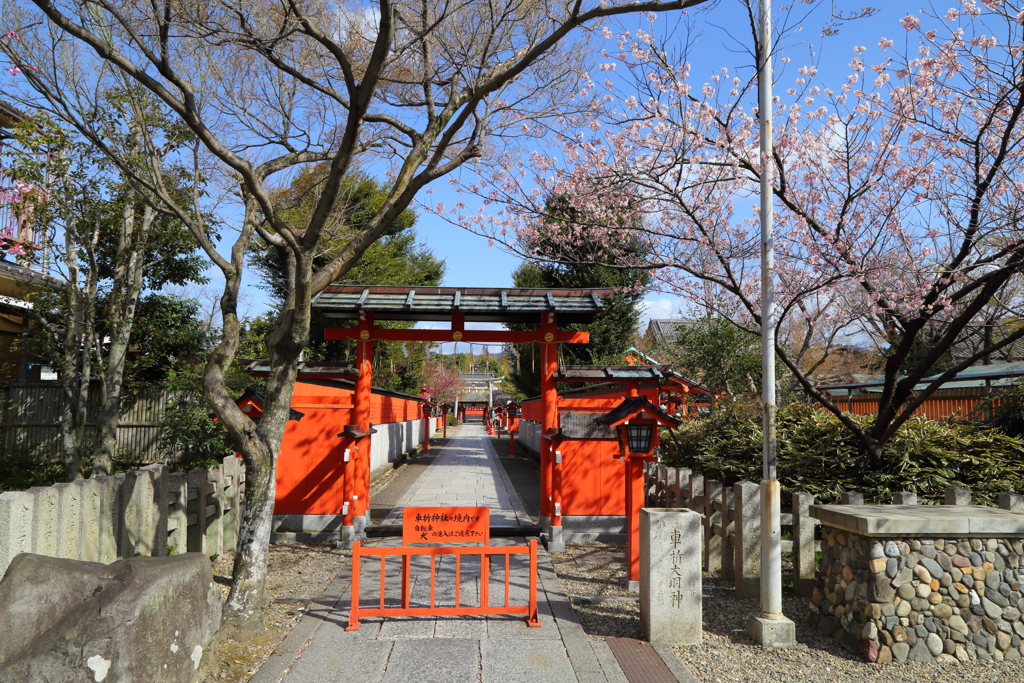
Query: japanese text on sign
x: 446, y: 525
x: 676, y: 580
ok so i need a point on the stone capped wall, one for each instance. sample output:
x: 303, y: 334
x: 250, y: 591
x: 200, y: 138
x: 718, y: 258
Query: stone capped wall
x: 916, y: 599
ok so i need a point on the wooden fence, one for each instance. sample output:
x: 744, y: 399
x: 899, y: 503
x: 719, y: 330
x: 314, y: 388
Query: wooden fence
x: 147, y: 512
x: 732, y: 523
x: 32, y: 419
x: 944, y: 403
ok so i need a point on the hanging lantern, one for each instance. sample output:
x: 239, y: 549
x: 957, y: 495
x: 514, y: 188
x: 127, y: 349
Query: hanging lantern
x: 638, y: 437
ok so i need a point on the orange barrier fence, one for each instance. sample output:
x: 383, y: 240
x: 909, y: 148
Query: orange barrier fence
x: 422, y: 525
x: 406, y: 610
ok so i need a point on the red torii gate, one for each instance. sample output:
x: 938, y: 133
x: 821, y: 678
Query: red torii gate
x: 546, y: 308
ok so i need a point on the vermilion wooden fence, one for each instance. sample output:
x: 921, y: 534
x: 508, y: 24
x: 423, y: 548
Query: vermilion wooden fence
x: 943, y: 404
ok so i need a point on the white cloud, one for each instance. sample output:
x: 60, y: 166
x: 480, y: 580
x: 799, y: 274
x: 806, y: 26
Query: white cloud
x: 660, y: 307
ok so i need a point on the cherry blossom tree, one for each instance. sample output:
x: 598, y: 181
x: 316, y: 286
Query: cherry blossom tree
x: 898, y: 191
x: 441, y: 381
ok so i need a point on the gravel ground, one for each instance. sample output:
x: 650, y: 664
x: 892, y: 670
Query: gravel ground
x: 593, y: 574
x: 298, y: 573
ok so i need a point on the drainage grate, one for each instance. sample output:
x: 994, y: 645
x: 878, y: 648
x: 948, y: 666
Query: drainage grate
x: 639, y: 661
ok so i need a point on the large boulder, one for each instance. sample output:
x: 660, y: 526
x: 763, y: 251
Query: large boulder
x: 139, y: 619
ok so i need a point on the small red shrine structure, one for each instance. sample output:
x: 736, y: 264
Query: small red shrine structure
x: 362, y: 307
x: 310, y: 463
x: 592, y: 491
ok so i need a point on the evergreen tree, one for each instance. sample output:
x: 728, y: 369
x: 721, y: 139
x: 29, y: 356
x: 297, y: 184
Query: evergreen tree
x: 397, y: 259
x: 581, y: 266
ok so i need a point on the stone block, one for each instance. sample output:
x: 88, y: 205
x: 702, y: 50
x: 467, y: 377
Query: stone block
x: 747, y: 539
x: 44, y: 520
x: 774, y: 633
x: 69, y: 520
x: 144, y: 539
x: 138, y: 619
x: 110, y: 523
x: 127, y: 514
x: 904, y: 498
x: 161, y: 493
x: 92, y: 510
x: 670, y: 576
x: 16, y: 524
x: 955, y: 495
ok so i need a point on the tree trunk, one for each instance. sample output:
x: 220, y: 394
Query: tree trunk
x: 80, y: 301
x: 257, y: 444
x: 124, y: 299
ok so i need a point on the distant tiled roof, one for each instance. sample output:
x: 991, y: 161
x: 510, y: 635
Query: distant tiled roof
x: 604, y: 373
x: 976, y: 376
x: 13, y: 271
x: 665, y: 330
x: 9, y: 113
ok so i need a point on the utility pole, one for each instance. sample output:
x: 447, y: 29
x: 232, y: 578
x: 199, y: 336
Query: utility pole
x: 770, y: 628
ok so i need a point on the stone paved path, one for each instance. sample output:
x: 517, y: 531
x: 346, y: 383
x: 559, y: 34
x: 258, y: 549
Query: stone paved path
x: 469, y: 473
x: 491, y: 649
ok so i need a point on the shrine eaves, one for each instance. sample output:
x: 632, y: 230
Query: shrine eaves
x: 571, y: 306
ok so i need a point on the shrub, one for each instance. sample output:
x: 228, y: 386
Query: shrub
x: 818, y: 455
x: 1007, y: 409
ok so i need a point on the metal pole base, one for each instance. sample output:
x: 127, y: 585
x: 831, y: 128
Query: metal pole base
x: 772, y: 632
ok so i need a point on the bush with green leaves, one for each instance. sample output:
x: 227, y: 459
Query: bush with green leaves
x: 1006, y: 408
x: 818, y: 455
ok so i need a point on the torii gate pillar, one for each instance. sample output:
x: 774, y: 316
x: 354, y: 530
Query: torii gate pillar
x: 550, y: 469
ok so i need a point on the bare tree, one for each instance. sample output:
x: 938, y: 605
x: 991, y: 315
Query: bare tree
x: 267, y: 87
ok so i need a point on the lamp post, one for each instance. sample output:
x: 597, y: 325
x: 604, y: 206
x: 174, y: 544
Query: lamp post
x: 770, y: 628
x: 427, y: 412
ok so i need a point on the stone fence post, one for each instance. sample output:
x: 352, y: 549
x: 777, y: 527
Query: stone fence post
x: 747, y: 539
x: 954, y: 495
x: 1014, y: 502
x: 682, y: 480
x: 852, y: 498
x: 670, y: 576
x: 803, y: 544
x: 177, y: 514
x: 196, y: 498
x: 712, y: 542
x: 904, y: 498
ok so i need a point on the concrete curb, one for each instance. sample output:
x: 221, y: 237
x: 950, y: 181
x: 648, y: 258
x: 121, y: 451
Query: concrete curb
x: 675, y: 665
x: 586, y: 663
x: 517, y: 504
x: 298, y: 639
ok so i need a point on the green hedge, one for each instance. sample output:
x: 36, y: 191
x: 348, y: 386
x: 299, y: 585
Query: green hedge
x: 818, y: 455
